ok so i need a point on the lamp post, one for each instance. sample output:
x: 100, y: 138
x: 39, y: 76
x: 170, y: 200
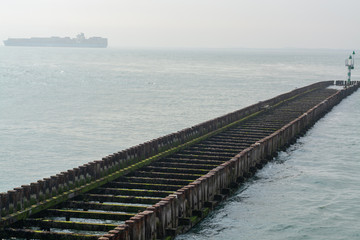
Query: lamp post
x: 349, y: 62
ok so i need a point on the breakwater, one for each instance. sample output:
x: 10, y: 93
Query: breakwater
x: 181, y: 198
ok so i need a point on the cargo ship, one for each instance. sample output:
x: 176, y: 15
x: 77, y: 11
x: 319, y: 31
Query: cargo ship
x: 80, y: 41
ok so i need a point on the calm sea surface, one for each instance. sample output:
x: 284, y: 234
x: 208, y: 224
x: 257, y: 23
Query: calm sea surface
x: 61, y: 108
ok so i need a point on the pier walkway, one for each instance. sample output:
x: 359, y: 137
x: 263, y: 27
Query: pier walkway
x: 163, y: 187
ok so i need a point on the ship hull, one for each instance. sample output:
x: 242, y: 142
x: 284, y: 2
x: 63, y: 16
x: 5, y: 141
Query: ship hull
x: 54, y: 45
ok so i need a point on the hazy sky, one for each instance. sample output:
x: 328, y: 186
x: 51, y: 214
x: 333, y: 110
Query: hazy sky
x: 190, y: 23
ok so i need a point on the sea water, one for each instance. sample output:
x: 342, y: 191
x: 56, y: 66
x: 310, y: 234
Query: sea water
x: 310, y: 191
x: 63, y: 107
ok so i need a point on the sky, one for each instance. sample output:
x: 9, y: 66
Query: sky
x: 189, y: 23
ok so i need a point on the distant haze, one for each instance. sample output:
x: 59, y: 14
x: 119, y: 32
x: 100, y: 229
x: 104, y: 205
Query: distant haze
x: 185, y: 23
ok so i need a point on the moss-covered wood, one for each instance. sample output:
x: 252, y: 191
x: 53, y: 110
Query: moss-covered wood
x: 87, y: 214
x: 45, y: 235
x: 102, y: 206
x: 83, y: 226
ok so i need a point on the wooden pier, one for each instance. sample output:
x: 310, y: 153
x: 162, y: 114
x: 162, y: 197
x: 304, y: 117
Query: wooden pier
x: 163, y: 187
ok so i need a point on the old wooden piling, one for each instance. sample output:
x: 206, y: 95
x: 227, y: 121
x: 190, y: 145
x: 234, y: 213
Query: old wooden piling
x: 163, y: 187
